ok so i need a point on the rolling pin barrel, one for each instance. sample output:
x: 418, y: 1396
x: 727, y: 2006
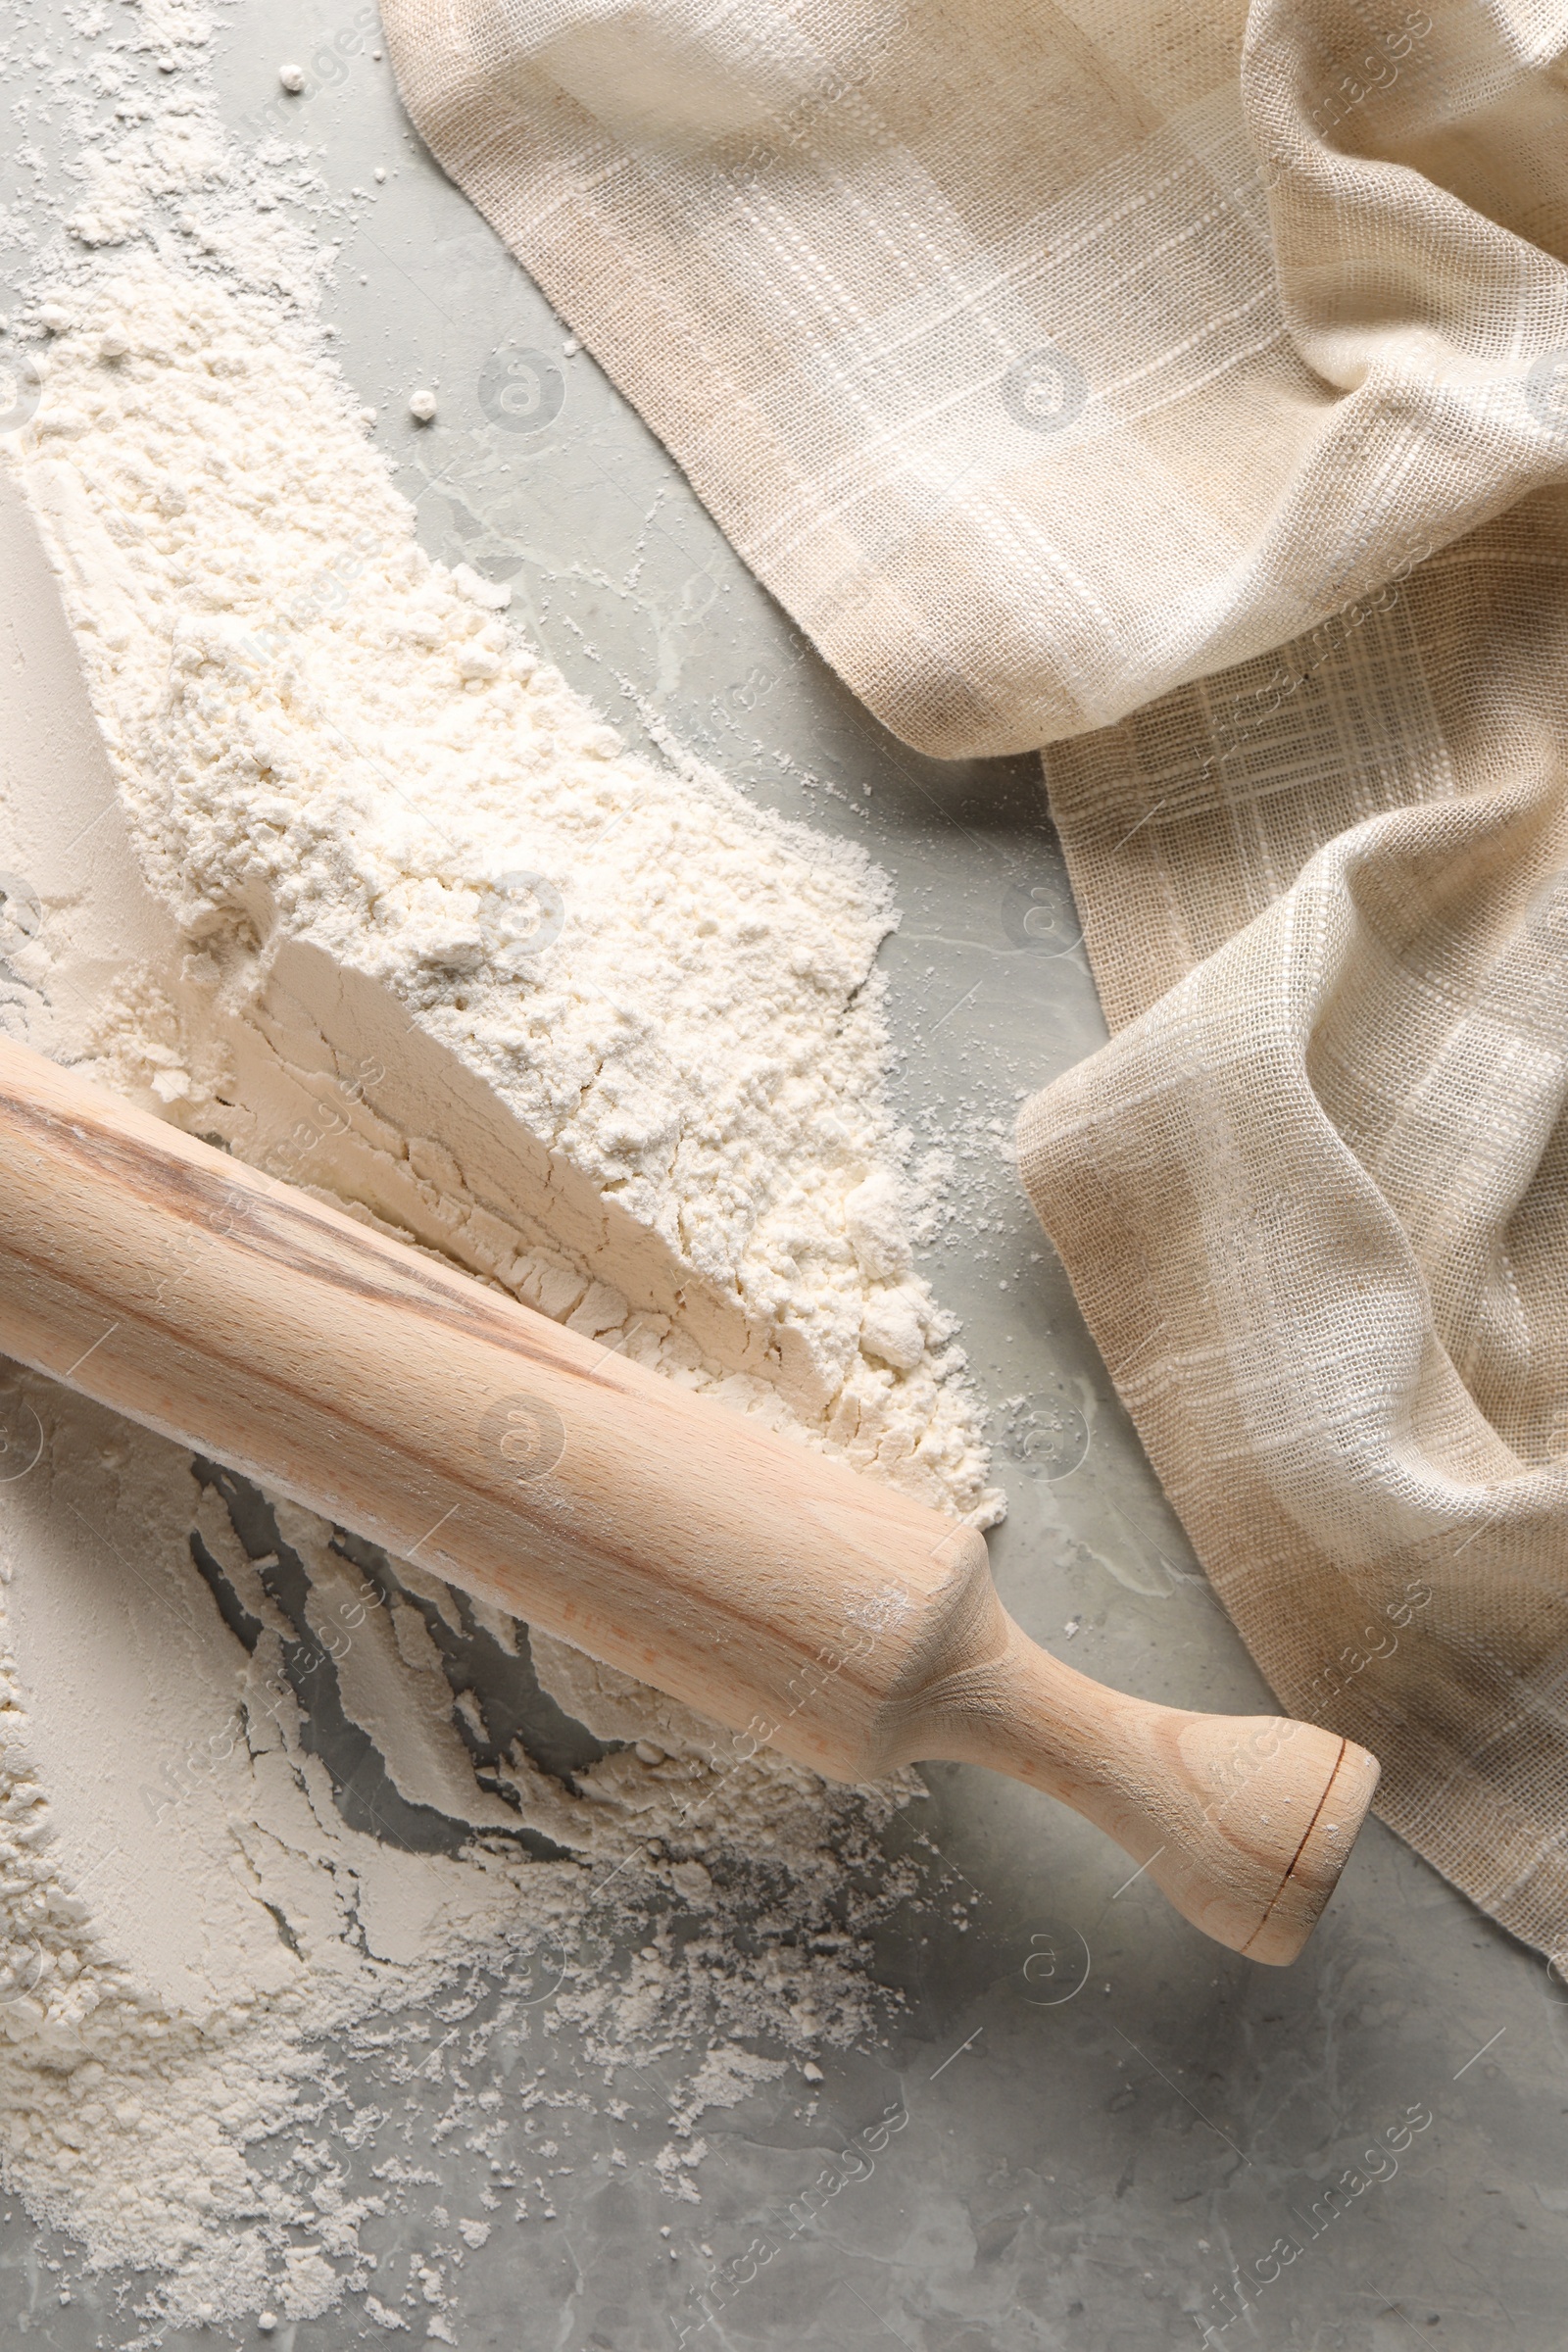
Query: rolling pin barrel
x: 766, y: 1586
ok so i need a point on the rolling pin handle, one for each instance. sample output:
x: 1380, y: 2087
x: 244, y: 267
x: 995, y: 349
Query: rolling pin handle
x: 1242, y: 1822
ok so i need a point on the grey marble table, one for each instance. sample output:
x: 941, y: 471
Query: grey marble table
x: 1107, y: 2113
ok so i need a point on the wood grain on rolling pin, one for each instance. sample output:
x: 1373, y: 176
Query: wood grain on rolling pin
x: 770, y: 1588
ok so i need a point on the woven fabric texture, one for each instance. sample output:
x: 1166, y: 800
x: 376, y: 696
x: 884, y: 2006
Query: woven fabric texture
x: 1186, y: 390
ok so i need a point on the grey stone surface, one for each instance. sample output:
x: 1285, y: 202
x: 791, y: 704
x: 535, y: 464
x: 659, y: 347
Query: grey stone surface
x: 1107, y: 2115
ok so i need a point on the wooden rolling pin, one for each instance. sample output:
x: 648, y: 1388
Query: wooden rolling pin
x: 769, y: 1588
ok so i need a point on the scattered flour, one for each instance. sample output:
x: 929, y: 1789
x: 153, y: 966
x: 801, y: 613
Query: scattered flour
x: 378, y: 903
x: 190, y: 1915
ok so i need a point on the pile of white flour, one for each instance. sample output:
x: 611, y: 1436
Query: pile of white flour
x: 320, y: 736
x: 383, y: 905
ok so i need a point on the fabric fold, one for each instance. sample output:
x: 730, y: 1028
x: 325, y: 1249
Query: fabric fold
x: 1313, y: 1197
x: 1037, y: 358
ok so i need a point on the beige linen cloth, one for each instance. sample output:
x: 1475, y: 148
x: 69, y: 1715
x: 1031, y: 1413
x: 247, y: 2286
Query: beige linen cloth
x: 1187, y: 391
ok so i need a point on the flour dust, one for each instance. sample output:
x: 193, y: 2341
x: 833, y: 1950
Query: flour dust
x: 327, y: 1888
